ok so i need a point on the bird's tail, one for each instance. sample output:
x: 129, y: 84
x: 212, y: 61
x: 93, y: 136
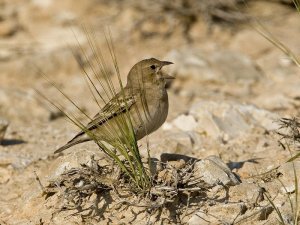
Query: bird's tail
x: 74, y: 141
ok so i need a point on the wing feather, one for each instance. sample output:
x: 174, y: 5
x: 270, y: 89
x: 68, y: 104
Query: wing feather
x: 119, y: 104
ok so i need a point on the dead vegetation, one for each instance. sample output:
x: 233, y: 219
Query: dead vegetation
x: 289, y: 136
x: 99, y: 187
x: 289, y: 129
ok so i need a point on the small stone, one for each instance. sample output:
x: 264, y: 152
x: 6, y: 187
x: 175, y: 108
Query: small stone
x: 53, y: 115
x: 264, y: 213
x: 42, y: 3
x: 69, y: 161
x: 247, y: 169
x: 185, y: 122
x: 196, y: 139
x: 5, y: 55
x: 248, y: 191
x: 228, y: 120
x: 242, y: 70
x: 65, y: 17
x: 201, y: 218
x: 190, y: 63
x: 8, y: 28
x: 274, y: 101
x: 288, y: 176
x: 5, y: 175
x: 177, y: 164
x: 241, y: 43
x: 217, y: 213
x: 177, y: 142
x: 213, y: 65
x: 287, y: 211
x: 165, y: 175
x: 214, y: 171
x: 167, y: 126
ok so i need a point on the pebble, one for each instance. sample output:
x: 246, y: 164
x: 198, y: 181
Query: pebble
x: 214, y: 171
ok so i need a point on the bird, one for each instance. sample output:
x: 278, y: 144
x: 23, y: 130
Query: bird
x: 144, y: 99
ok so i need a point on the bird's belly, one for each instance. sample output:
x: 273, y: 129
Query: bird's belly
x: 153, y: 121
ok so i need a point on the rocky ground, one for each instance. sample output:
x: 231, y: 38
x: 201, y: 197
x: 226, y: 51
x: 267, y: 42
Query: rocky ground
x: 231, y: 88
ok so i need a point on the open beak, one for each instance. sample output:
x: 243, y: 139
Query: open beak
x: 165, y: 63
x: 166, y: 76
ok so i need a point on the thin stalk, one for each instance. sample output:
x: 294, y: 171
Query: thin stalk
x: 297, y: 4
x: 275, y: 208
x: 262, y: 30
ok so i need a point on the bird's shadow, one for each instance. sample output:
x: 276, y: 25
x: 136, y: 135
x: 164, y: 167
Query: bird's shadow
x: 164, y: 157
x: 8, y: 142
x: 240, y: 164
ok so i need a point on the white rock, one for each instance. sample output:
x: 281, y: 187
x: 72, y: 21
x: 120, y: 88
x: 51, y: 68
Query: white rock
x: 167, y: 126
x: 201, y: 218
x: 288, y: 176
x: 274, y: 100
x: 217, y: 213
x: 196, y: 139
x: 228, y: 119
x: 190, y: 63
x: 185, y: 122
x: 173, y: 141
x: 70, y: 160
x: 42, y: 3
x: 241, y: 43
x: 5, y: 174
x: 213, y: 65
x: 214, y: 171
x: 248, y: 191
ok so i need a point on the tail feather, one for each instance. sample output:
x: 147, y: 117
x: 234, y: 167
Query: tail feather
x: 74, y: 141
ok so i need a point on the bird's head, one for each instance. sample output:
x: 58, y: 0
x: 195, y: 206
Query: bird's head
x: 148, y: 72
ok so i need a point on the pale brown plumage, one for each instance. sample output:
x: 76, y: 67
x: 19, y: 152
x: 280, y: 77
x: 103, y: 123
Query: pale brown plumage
x: 145, y: 97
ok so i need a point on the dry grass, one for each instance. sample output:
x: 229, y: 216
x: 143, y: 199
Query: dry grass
x: 90, y: 190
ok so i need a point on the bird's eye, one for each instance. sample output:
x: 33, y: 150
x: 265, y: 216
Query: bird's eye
x: 153, y: 67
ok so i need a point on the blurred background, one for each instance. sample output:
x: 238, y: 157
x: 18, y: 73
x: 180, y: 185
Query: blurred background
x: 220, y: 60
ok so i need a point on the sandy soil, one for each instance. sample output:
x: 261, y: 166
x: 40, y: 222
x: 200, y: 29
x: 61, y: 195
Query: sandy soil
x: 231, y: 87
